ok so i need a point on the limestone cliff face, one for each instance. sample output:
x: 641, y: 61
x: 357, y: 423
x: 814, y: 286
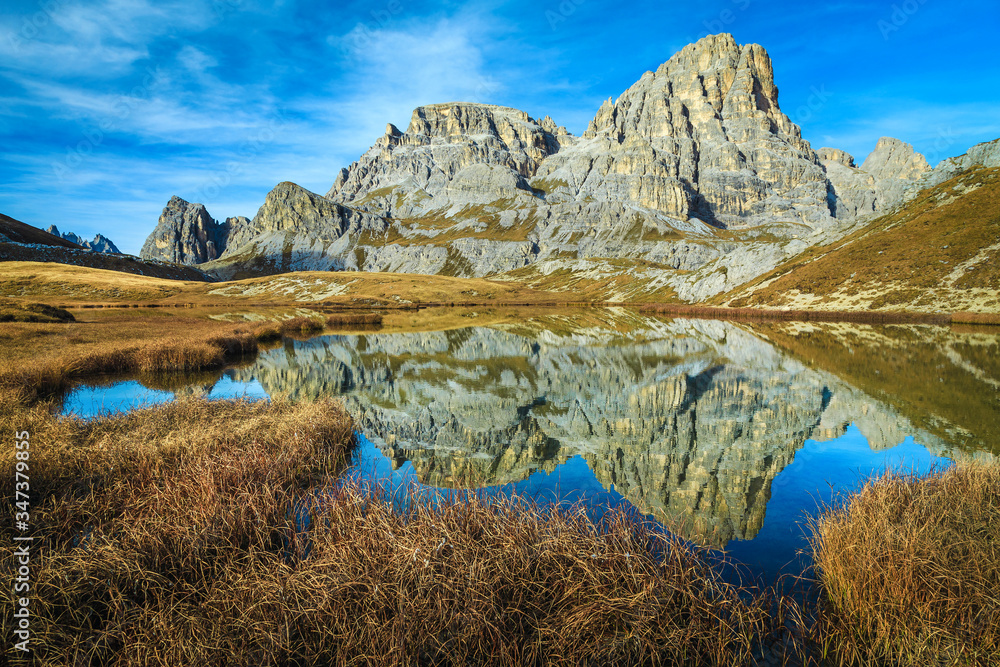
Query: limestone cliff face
x: 471, y: 147
x: 185, y: 234
x: 702, y: 136
x: 690, y: 420
x: 294, y: 230
x: 693, y: 182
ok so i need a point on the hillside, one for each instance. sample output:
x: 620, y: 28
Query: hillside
x: 939, y: 252
x: 15, y: 231
x: 20, y: 242
x: 65, y: 284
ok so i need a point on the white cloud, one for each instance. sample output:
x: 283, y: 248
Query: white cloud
x: 394, y: 70
x: 102, y: 40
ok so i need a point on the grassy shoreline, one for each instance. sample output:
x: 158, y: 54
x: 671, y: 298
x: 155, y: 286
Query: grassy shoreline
x: 68, y: 286
x: 42, y: 359
x: 169, y: 536
x: 909, y: 572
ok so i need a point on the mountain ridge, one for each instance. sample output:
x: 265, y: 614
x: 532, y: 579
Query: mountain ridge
x: 692, y: 183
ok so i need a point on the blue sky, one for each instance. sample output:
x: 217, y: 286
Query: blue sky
x: 109, y: 107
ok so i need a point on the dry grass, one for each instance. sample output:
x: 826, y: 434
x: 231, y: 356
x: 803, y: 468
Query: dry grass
x: 172, y: 536
x: 503, y: 583
x: 142, y: 521
x: 16, y: 311
x: 367, y: 320
x: 43, y: 358
x: 761, y: 314
x: 976, y: 318
x: 910, y: 571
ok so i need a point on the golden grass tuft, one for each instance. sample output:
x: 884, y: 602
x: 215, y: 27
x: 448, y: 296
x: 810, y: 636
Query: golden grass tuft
x: 975, y: 318
x: 910, y: 572
x: 174, y: 535
x: 301, y: 325
x: 500, y: 582
x: 142, y: 520
x: 368, y: 320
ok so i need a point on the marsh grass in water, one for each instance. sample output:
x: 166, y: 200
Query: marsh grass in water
x: 909, y: 571
x: 143, y: 344
x: 175, y: 535
x: 153, y: 529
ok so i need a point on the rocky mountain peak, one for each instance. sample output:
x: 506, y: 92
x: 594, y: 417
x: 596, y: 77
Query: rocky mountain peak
x: 441, y: 142
x: 457, y: 119
x: 702, y: 136
x: 100, y: 243
x: 836, y: 155
x: 893, y: 158
x: 185, y: 234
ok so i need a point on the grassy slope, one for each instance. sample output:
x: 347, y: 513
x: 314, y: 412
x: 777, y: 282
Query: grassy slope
x: 939, y: 252
x: 67, y: 284
x: 19, y: 232
x: 944, y: 380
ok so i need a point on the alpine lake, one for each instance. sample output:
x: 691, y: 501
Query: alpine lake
x: 730, y: 434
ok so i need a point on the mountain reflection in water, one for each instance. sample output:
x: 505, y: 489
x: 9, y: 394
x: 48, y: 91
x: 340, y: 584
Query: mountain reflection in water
x: 696, y: 422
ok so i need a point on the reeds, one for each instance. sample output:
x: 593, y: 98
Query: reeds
x: 910, y: 571
x: 976, y: 318
x: 185, y: 534
x: 762, y: 314
x: 502, y: 582
x: 142, y: 521
x: 371, y: 320
x: 205, y: 345
x: 301, y: 325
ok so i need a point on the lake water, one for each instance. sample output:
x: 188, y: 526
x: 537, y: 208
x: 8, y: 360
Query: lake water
x: 728, y: 434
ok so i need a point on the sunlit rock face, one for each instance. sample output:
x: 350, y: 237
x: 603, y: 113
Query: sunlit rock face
x: 692, y: 182
x: 688, y: 420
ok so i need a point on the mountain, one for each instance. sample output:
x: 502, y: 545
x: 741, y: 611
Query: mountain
x: 100, y: 243
x: 940, y: 251
x: 187, y: 234
x: 20, y: 242
x: 692, y: 183
x: 15, y: 231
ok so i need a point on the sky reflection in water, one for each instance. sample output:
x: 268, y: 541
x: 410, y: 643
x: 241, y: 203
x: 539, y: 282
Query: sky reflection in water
x: 763, y: 404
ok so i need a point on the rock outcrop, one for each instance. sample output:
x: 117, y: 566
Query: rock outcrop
x: 185, y: 234
x: 100, y: 243
x: 986, y: 154
x: 295, y: 230
x: 891, y: 175
x: 691, y: 183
